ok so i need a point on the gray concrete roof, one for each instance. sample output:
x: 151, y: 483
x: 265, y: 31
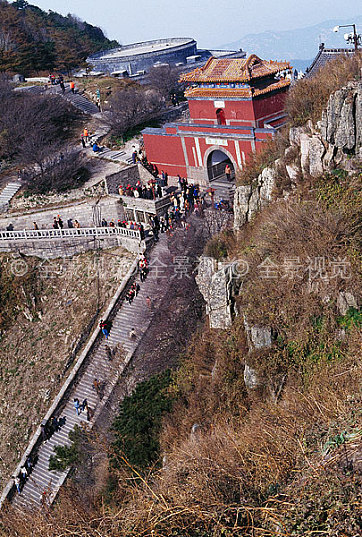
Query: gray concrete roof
x: 147, y: 47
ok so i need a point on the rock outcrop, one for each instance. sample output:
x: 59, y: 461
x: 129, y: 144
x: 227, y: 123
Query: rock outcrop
x: 251, y: 198
x: 218, y: 283
x: 345, y: 301
x: 313, y: 151
x: 258, y: 337
x: 341, y: 124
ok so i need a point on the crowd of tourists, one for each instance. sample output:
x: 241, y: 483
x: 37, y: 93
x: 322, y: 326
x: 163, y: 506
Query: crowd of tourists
x: 151, y: 191
x: 126, y: 224
x: 25, y: 471
x: 47, y: 429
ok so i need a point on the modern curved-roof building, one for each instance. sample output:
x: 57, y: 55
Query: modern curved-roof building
x: 142, y: 56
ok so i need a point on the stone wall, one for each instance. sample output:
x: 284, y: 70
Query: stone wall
x: 88, y: 214
x: 176, y: 53
x: 129, y: 175
x: 67, y: 247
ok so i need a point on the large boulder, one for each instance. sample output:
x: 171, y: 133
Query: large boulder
x: 251, y: 378
x: 266, y: 183
x: 345, y: 301
x: 259, y: 337
x: 241, y: 205
x: 312, y: 151
x: 219, y: 284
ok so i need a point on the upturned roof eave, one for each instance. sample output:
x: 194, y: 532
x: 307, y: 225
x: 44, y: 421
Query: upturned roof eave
x: 269, y: 67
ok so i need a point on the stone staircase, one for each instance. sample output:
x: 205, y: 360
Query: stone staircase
x: 114, y: 156
x: 224, y: 190
x: 8, y: 193
x: 79, y: 101
x: 42, y: 485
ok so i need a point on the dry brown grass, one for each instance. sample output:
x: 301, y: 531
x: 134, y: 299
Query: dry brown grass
x: 308, y: 236
x: 221, y: 479
x: 307, y: 99
x: 270, y: 151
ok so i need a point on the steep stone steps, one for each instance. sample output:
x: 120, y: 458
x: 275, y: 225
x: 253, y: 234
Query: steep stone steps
x: 224, y: 190
x: 79, y: 101
x: 8, y: 193
x: 42, y: 482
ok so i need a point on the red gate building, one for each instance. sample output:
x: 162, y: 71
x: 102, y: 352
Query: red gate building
x: 235, y: 106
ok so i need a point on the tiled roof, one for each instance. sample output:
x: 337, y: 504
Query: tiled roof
x: 324, y: 56
x: 218, y: 92
x: 282, y: 83
x: 235, y: 92
x: 234, y: 70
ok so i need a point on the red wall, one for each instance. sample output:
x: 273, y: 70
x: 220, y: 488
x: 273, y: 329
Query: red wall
x: 240, y: 112
x: 204, y: 111
x: 269, y: 105
x: 166, y: 152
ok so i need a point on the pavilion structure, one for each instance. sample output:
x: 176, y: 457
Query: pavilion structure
x: 235, y: 106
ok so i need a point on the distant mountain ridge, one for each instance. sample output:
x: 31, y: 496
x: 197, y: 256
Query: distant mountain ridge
x: 32, y: 40
x: 301, y: 43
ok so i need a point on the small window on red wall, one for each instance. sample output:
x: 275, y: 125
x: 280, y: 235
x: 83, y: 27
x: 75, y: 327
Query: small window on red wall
x: 220, y: 116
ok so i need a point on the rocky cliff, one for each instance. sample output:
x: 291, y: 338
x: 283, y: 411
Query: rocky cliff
x: 312, y: 150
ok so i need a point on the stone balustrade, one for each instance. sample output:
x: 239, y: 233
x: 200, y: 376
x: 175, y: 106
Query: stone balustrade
x: 72, y: 232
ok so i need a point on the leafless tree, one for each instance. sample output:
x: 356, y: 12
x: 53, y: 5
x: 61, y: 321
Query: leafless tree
x: 33, y: 133
x: 132, y: 106
x: 164, y: 79
x: 55, y: 171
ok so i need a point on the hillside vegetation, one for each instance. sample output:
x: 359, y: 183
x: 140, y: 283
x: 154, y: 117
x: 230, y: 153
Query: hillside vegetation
x: 32, y: 40
x: 215, y: 456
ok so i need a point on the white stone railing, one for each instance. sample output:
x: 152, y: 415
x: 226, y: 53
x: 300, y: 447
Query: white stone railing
x: 72, y: 232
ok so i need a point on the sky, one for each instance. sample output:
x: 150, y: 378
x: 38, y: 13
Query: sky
x: 210, y: 22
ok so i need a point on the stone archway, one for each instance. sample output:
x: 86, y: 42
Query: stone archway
x: 215, y: 161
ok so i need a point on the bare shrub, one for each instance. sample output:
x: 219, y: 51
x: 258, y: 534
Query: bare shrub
x: 131, y: 106
x: 264, y: 157
x: 216, y: 221
x: 164, y: 79
x: 59, y: 172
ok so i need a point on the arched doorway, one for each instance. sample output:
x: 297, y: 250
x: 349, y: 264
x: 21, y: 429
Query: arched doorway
x: 216, y: 164
x: 220, y: 116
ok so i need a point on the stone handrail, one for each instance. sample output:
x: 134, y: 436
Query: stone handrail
x: 72, y: 232
x: 58, y: 401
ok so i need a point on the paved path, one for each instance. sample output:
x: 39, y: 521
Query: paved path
x: 138, y: 315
